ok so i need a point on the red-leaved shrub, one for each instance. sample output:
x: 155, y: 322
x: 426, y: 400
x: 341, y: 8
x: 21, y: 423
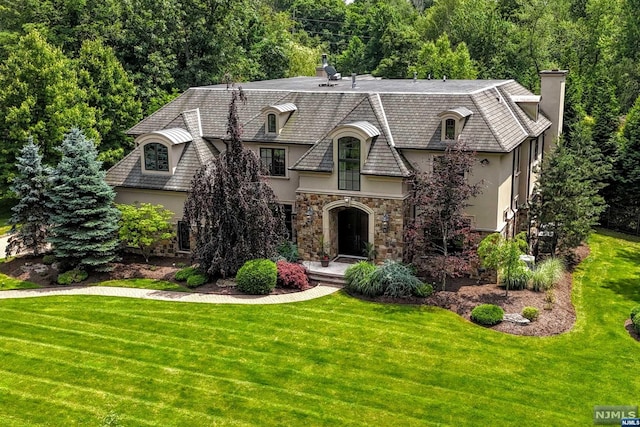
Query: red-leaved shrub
x: 291, y: 275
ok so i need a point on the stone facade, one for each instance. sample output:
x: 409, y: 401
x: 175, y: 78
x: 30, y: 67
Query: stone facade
x: 312, y: 227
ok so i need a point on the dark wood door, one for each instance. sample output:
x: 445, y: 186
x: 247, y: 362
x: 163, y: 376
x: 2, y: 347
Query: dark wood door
x: 353, y: 229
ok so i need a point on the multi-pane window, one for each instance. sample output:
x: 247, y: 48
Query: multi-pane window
x: 274, y: 160
x: 349, y: 164
x: 271, y: 123
x: 156, y: 157
x: 184, y: 236
x: 450, y: 129
x: 516, y: 161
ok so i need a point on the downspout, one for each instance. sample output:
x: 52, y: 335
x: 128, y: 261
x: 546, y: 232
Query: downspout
x: 513, y: 178
x: 529, y: 172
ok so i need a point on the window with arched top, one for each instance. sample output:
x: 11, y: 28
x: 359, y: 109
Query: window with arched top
x: 271, y: 123
x: 450, y: 129
x: 156, y: 157
x: 349, y: 163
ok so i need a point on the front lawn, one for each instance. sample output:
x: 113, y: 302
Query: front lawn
x: 331, y: 361
x: 158, y: 285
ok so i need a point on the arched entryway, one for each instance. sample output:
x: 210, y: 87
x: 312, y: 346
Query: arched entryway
x: 353, y: 231
x: 347, y: 225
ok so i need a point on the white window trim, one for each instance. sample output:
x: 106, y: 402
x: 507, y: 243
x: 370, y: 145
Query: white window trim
x: 169, y: 158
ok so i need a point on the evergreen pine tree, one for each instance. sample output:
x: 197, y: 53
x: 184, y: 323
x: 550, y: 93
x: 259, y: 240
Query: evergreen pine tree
x: 571, y: 179
x: 83, y: 215
x: 29, y: 219
x: 232, y: 207
x: 627, y: 180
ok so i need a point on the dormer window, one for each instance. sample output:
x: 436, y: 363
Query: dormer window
x: 453, y: 122
x: 156, y: 157
x: 450, y: 129
x: 530, y: 104
x: 160, y: 150
x: 276, y: 116
x: 271, y: 123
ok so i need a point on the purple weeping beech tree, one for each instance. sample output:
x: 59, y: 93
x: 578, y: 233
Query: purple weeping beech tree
x: 232, y: 209
x: 440, y: 232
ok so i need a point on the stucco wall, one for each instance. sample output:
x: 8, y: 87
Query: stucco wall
x: 172, y: 200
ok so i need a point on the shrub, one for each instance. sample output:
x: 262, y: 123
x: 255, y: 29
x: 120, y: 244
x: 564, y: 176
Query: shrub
x: 636, y: 324
x: 518, y: 279
x: 530, y: 313
x: 48, y: 259
x: 289, y: 251
x: 196, y: 279
x: 72, y: 276
x: 358, y: 279
x: 423, y: 290
x: 257, y: 277
x: 396, y: 279
x: 547, y: 274
x: 634, y: 312
x: 185, y: 273
x: 487, y: 314
x: 291, y: 275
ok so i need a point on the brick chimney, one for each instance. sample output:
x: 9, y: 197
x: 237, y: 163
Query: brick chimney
x: 552, y: 85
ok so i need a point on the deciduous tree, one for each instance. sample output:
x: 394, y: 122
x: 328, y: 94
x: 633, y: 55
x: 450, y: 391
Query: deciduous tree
x: 503, y: 255
x: 440, y: 198
x: 231, y: 207
x: 40, y: 98
x: 144, y: 226
x: 84, y: 219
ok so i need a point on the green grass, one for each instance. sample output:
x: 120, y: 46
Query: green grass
x: 158, y: 285
x: 5, y: 215
x: 8, y: 283
x: 331, y: 361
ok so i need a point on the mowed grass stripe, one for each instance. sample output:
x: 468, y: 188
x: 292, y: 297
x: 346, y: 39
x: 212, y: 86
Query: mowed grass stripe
x: 507, y: 368
x: 87, y: 365
x: 77, y: 393
x: 290, y: 339
x: 421, y: 371
x: 386, y: 379
x: 254, y: 388
x: 430, y: 337
x: 49, y: 405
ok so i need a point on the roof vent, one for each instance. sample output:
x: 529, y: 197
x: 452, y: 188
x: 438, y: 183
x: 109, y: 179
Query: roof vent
x: 353, y: 80
x: 444, y: 78
x: 429, y: 76
x: 415, y: 76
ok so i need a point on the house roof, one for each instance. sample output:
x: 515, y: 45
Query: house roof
x: 196, y: 152
x: 395, y: 114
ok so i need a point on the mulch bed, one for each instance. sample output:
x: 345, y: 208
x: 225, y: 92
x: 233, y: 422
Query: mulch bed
x: 132, y: 267
x: 461, y: 296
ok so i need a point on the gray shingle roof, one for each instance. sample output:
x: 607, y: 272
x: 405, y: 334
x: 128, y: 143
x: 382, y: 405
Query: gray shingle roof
x: 128, y: 172
x: 403, y: 111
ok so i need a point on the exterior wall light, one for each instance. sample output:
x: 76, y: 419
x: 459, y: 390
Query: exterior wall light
x: 309, y: 216
x: 385, y: 222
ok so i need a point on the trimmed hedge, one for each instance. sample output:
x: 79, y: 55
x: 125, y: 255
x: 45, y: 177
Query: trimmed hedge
x: 291, y: 275
x: 487, y: 314
x: 257, y: 277
x: 530, y: 313
x: 72, y: 276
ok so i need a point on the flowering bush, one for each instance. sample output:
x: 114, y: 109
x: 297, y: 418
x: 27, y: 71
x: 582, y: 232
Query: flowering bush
x: 291, y: 275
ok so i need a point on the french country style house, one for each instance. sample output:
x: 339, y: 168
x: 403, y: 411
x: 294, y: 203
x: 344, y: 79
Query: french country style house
x: 341, y: 152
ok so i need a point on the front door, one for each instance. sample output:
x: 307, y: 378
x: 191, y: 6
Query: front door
x: 353, y: 229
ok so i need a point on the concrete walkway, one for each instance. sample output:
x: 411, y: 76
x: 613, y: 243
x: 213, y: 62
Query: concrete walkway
x: 110, y: 291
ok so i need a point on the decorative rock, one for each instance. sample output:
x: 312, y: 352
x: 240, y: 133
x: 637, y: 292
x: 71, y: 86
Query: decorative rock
x: 516, y: 318
x: 36, y: 268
